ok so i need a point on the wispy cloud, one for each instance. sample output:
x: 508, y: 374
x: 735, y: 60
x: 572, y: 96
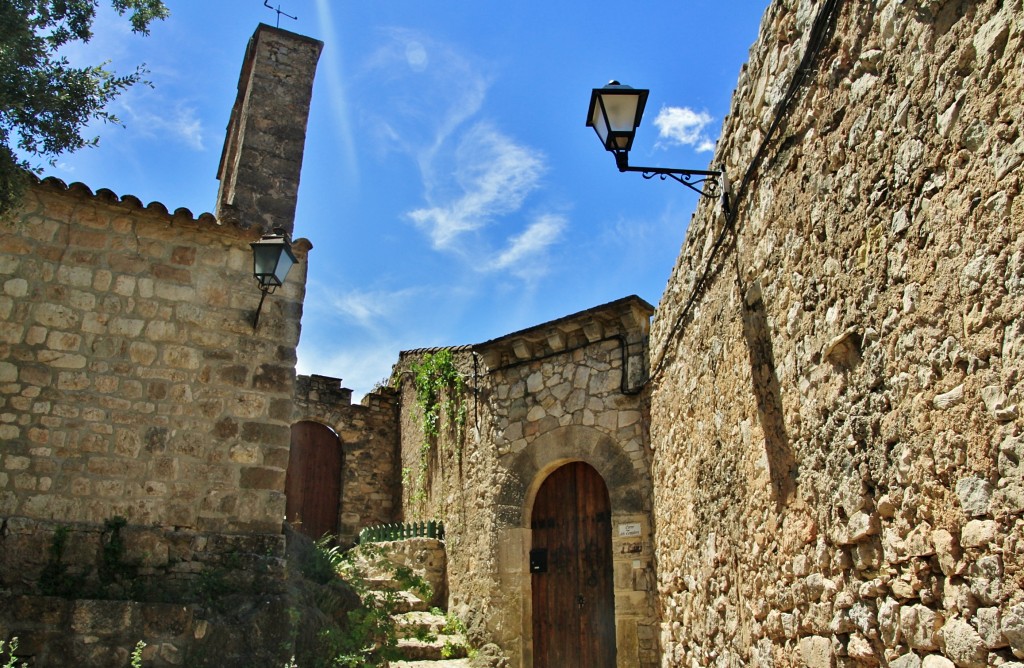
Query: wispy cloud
x: 476, y: 178
x: 333, y: 69
x: 526, y: 254
x: 155, y: 119
x: 404, y: 76
x: 494, y: 175
x: 684, y: 126
x: 369, y: 309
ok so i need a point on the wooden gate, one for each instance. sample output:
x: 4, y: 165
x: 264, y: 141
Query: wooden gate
x: 313, y: 483
x: 571, y: 566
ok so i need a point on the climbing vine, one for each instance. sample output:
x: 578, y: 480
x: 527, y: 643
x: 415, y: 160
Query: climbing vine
x: 440, y: 390
x: 441, y: 397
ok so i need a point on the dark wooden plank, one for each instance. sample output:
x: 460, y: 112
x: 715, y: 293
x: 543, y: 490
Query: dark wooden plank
x: 597, y: 624
x: 572, y: 520
x: 313, y: 480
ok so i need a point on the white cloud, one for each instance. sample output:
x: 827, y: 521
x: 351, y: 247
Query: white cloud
x: 404, y: 76
x: 684, y: 126
x: 525, y: 255
x: 332, y: 69
x: 370, y: 309
x: 494, y: 176
x: 154, y: 119
x: 474, y: 176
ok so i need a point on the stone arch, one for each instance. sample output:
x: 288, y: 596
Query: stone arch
x: 629, y: 491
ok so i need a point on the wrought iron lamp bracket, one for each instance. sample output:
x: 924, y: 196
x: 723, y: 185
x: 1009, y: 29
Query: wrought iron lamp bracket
x: 706, y: 183
x: 264, y: 291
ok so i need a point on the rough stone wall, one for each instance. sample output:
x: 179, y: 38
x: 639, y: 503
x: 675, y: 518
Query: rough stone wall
x: 559, y: 392
x: 371, y: 482
x: 835, y: 409
x: 133, y: 381
x: 133, y: 385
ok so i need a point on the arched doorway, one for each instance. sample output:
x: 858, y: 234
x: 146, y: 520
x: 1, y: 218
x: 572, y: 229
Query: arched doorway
x: 571, y: 571
x: 313, y: 483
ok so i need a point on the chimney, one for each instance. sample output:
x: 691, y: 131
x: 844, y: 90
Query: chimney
x: 262, y: 157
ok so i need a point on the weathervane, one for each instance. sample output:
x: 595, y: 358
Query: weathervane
x: 266, y: 4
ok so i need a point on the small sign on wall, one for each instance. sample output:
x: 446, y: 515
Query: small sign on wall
x: 629, y: 530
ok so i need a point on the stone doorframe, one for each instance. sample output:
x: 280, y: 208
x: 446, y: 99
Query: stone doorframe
x: 632, y: 546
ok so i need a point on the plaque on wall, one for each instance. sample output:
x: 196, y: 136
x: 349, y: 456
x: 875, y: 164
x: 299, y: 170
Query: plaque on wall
x: 629, y: 530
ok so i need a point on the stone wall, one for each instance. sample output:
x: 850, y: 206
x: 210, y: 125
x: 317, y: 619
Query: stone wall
x: 368, y: 431
x: 135, y: 393
x: 134, y: 383
x: 567, y: 390
x: 835, y: 409
x: 423, y: 558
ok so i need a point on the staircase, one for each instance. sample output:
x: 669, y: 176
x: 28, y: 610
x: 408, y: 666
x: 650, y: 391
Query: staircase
x: 424, y: 641
x: 427, y: 638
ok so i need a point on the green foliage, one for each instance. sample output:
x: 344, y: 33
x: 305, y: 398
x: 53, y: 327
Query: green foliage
x: 211, y: 587
x: 137, y: 654
x: 453, y: 625
x: 323, y: 562
x: 55, y: 579
x: 449, y: 649
x: 370, y: 635
x: 441, y: 397
x: 11, y: 661
x: 113, y: 568
x: 45, y: 103
x: 440, y: 389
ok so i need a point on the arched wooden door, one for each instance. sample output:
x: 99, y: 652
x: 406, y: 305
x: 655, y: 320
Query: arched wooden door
x: 312, y: 485
x: 571, y: 567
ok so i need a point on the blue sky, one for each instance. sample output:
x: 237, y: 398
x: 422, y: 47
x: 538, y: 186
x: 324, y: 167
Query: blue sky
x: 450, y: 187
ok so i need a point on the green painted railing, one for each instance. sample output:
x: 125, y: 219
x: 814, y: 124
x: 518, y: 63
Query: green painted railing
x: 384, y: 532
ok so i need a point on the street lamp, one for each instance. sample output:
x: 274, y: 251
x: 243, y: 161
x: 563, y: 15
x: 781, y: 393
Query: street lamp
x: 615, y: 112
x: 272, y: 258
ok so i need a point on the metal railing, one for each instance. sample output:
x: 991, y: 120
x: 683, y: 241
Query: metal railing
x: 386, y: 532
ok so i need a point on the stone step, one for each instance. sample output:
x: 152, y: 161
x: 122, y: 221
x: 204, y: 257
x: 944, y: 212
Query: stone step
x: 412, y: 624
x: 404, y: 602
x: 444, y: 663
x: 412, y: 649
x: 383, y: 584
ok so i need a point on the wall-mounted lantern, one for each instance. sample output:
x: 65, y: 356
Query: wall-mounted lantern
x: 272, y: 258
x: 615, y: 113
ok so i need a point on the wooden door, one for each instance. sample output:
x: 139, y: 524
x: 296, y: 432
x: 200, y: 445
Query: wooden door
x: 571, y: 566
x: 313, y: 483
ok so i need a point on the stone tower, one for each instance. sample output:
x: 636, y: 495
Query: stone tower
x: 262, y: 157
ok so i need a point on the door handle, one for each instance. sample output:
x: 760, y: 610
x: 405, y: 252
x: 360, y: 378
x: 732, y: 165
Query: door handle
x: 579, y: 600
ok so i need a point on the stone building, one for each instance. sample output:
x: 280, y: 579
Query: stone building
x: 145, y: 421
x: 833, y: 377
x: 539, y: 403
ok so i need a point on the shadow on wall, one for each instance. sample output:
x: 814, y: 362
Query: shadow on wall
x: 765, y: 381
